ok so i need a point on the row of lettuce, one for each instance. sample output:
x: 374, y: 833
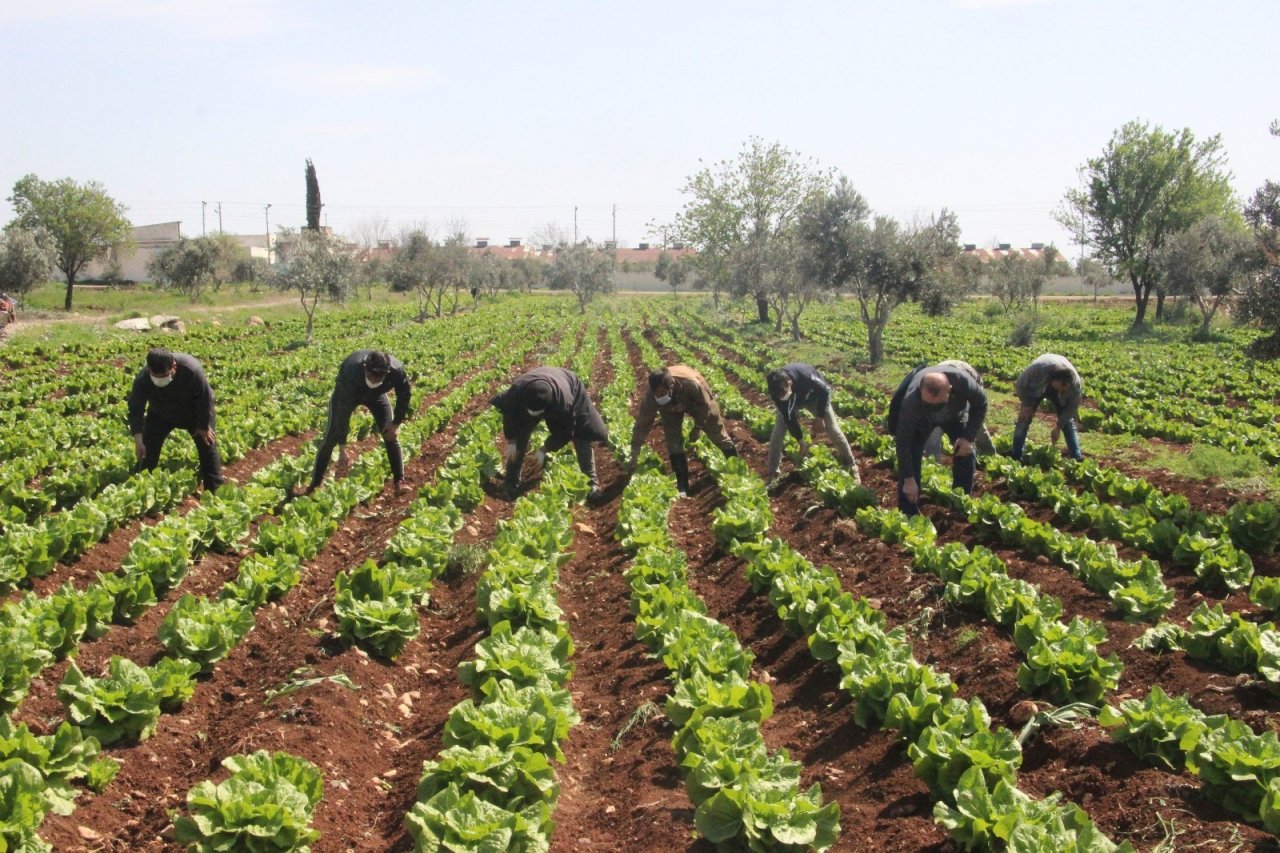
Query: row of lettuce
x: 1061, y: 662
x: 124, y: 705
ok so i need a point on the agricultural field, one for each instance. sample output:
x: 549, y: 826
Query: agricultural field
x: 1077, y: 656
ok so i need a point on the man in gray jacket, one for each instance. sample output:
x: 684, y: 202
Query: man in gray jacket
x: 1050, y: 377
x: 946, y: 396
x: 364, y: 378
x: 798, y: 387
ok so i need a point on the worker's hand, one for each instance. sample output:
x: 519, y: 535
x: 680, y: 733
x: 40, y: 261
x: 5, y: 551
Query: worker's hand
x: 964, y: 447
x: 511, y: 454
x: 391, y: 432
x: 206, y: 435
x: 139, y: 447
x: 911, y: 489
x: 1053, y: 436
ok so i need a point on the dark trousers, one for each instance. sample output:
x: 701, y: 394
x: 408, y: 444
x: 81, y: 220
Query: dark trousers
x: 962, y: 467
x: 582, y: 448
x: 340, y: 424
x: 154, y: 432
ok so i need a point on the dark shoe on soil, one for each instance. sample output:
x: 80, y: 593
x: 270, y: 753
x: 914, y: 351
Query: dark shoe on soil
x: 595, y: 497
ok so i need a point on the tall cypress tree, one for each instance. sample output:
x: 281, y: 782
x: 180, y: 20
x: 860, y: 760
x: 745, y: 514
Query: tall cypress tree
x: 313, y: 198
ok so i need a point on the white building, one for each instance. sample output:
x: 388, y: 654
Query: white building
x: 149, y: 241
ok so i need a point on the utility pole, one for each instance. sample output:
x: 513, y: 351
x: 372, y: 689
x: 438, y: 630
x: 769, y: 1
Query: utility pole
x: 575, y: 225
x: 203, y: 205
x: 615, y: 226
x: 219, y: 217
x: 266, y: 213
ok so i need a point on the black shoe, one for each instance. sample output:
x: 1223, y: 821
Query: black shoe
x: 595, y: 497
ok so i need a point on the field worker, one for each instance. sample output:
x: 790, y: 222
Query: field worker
x: 557, y: 396
x: 796, y: 387
x: 674, y: 392
x: 170, y: 393
x: 933, y: 447
x: 1053, y: 378
x: 9, y: 307
x: 947, y: 396
x: 364, y: 378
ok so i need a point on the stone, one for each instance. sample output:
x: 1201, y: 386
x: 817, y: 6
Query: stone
x: 844, y: 530
x: 175, y: 325
x: 137, y: 324
x: 163, y: 319
x: 88, y: 834
x: 254, y: 321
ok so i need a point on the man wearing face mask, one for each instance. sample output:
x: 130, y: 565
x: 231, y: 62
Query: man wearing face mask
x: 557, y: 396
x: 170, y: 393
x: 797, y: 387
x: 674, y: 392
x: 364, y: 378
x: 947, y: 396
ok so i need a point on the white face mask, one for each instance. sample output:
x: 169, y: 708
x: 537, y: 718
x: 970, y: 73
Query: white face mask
x: 662, y: 401
x: 786, y: 395
x: 535, y: 414
x: 161, y: 381
x: 373, y: 383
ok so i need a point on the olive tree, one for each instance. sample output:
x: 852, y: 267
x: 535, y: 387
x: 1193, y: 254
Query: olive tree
x: 316, y: 266
x: 738, y: 209
x: 1207, y: 263
x: 24, y: 261
x: 83, y: 223
x: 583, y: 270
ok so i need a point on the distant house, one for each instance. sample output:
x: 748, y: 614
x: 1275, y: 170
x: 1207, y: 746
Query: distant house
x: 1033, y: 252
x: 131, y: 264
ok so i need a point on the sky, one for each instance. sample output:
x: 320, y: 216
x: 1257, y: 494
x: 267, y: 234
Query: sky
x: 502, y: 118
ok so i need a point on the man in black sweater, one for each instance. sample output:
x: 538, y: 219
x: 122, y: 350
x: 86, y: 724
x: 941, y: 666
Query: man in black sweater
x: 170, y: 393
x: 799, y: 387
x: 559, y: 396
x: 364, y: 378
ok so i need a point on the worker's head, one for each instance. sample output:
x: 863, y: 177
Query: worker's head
x: 537, y: 396
x: 935, y: 388
x: 376, y: 367
x: 662, y: 384
x: 161, y: 365
x: 1060, y: 379
x: 779, y: 382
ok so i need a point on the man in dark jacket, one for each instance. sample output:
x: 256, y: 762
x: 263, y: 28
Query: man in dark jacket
x: 947, y: 396
x: 364, y: 378
x: 796, y: 387
x: 1050, y: 377
x: 170, y: 393
x: 557, y: 396
x: 674, y: 392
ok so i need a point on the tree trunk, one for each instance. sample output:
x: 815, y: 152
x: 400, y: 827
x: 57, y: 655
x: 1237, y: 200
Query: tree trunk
x: 777, y: 326
x: 1141, y: 295
x: 1160, y: 303
x: 875, y: 343
x: 71, y: 283
x: 795, y: 326
x: 762, y: 307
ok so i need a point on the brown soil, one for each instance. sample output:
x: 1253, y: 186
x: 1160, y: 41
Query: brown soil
x: 371, y: 743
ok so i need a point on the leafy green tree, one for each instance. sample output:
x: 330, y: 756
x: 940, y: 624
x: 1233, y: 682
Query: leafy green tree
x: 738, y: 208
x: 1147, y: 185
x: 1207, y: 263
x: 1093, y: 274
x: 583, y: 270
x: 24, y: 261
x: 313, y: 198
x: 82, y: 221
x: 316, y: 266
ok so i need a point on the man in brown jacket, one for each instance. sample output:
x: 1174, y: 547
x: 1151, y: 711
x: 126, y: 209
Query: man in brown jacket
x: 674, y: 392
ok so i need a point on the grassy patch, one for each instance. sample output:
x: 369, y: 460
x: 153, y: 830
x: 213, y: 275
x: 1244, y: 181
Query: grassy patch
x: 465, y: 560
x: 1244, y: 472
